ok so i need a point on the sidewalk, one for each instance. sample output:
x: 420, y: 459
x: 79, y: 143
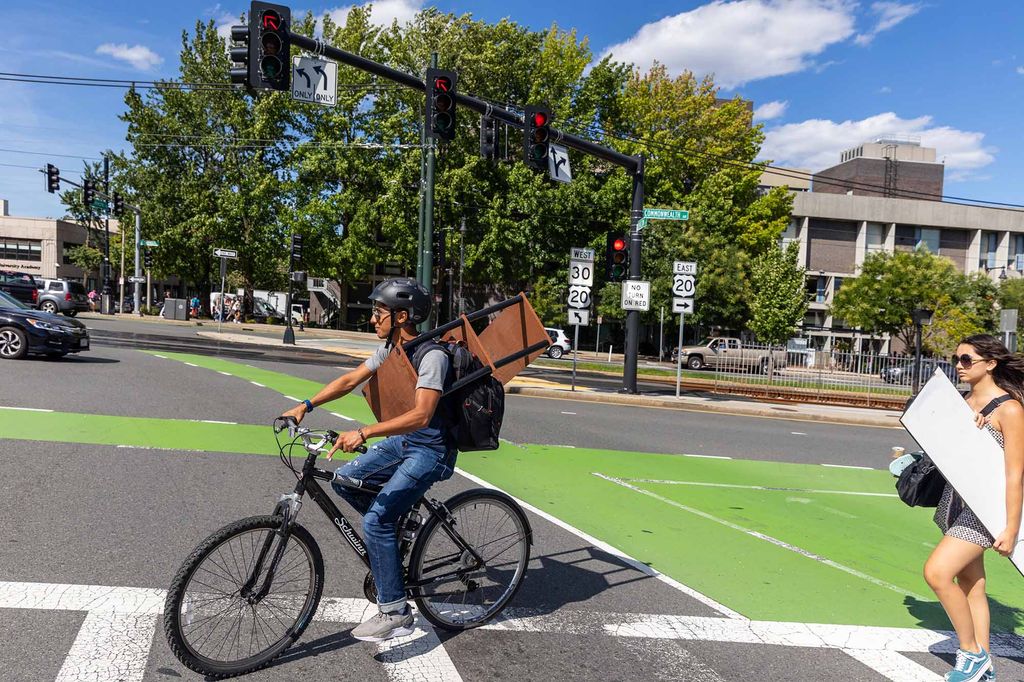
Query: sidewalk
x: 361, y: 345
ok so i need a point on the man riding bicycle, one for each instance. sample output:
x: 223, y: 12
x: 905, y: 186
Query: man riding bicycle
x: 419, y: 449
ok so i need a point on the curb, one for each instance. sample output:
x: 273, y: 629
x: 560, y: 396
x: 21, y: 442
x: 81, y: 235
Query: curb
x: 690, y: 404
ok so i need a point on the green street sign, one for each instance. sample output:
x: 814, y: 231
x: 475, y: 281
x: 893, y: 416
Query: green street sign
x: 100, y: 204
x: 665, y: 214
x: 149, y: 242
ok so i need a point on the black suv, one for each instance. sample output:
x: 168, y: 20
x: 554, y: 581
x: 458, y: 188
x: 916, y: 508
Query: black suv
x: 20, y: 285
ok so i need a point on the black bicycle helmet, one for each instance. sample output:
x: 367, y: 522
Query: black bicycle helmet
x: 403, y: 293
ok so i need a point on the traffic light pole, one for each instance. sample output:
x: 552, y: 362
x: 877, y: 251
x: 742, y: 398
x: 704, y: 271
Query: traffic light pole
x: 107, y: 288
x: 137, y: 299
x: 427, y: 276
x: 633, y: 316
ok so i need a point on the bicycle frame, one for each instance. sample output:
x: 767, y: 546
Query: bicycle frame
x: 307, y: 484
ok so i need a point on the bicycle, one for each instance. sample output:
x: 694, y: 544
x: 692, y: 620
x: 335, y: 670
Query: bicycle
x: 247, y: 592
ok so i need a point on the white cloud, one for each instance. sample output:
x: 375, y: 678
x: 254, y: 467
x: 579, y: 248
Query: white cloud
x: 770, y: 110
x: 139, y: 56
x: 382, y: 13
x: 889, y: 15
x: 740, y: 41
x: 817, y: 143
x: 223, y: 22
x: 885, y: 90
x: 1020, y: 70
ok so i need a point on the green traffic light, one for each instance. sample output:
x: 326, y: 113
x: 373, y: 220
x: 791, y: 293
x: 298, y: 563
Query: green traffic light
x: 271, y: 68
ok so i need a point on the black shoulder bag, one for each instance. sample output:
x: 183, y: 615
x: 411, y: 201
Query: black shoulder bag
x: 921, y: 483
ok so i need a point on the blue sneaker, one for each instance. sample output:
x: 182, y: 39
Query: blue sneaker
x: 990, y: 676
x: 970, y: 667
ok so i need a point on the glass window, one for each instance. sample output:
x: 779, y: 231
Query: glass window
x: 21, y: 249
x: 991, y: 246
x: 876, y: 237
x: 56, y: 286
x: 929, y: 239
x: 1018, y: 251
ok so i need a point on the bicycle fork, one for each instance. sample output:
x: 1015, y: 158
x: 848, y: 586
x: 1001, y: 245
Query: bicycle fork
x: 288, y: 507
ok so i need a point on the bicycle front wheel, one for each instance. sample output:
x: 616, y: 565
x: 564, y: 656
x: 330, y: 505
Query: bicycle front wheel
x: 222, y: 617
x: 458, y: 590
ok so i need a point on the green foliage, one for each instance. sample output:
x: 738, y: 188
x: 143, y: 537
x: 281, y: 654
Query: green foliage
x: 88, y: 258
x: 890, y: 286
x: 217, y: 167
x: 1011, y: 296
x: 778, y: 301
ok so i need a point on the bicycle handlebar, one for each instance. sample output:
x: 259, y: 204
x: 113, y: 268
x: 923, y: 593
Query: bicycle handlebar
x: 323, y: 438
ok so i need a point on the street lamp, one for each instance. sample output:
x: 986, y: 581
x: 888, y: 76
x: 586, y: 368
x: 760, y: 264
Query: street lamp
x: 922, y: 316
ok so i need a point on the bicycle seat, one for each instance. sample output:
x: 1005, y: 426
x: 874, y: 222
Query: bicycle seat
x: 357, y: 484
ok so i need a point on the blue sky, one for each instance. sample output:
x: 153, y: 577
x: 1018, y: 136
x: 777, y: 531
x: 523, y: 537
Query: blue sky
x: 824, y: 75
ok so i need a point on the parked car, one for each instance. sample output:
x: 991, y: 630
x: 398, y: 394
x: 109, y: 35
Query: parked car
x: 20, y: 285
x: 24, y: 330
x: 560, y: 343
x: 58, y: 295
x: 903, y: 373
x: 723, y: 352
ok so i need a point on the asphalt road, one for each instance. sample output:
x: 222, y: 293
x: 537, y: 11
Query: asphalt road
x: 87, y: 515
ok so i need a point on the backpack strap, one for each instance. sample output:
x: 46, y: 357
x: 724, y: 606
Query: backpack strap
x: 994, y: 403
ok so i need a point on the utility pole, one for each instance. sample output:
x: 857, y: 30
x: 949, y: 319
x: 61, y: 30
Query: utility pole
x: 462, y: 261
x: 633, y: 316
x: 108, y: 290
x: 427, y: 275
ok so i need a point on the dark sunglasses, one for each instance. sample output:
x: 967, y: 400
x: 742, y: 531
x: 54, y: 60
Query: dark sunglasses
x: 966, y: 360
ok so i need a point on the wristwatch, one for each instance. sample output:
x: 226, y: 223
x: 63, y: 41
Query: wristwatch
x: 309, y: 405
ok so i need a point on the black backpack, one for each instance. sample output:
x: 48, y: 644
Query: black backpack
x: 473, y: 412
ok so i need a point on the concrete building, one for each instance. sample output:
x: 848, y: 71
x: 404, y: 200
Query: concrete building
x: 892, y: 166
x: 836, y: 232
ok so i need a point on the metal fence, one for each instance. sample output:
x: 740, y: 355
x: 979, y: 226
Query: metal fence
x: 825, y: 376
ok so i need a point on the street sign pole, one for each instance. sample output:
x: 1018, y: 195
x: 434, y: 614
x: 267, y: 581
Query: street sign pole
x: 223, y: 278
x: 575, y: 346
x: 679, y: 354
x: 138, y: 271
x: 661, y: 335
x: 633, y: 316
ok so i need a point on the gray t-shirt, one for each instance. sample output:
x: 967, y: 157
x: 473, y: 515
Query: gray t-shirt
x: 433, y: 366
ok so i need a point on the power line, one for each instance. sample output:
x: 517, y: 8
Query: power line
x: 66, y: 156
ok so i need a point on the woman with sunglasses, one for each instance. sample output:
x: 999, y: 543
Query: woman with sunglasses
x: 955, y: 571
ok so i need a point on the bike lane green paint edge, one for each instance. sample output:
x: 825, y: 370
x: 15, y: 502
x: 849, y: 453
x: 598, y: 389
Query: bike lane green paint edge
x: 750, y: 575
x: 139, y: 432
x: 352, y: 405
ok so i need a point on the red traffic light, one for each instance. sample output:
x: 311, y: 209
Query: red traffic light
x: 271, y: 20
x: 540, y: 118
x: 443, y: 84
x: 619, y: 244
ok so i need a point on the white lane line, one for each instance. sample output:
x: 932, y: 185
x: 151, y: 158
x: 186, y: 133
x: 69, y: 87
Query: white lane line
x: 848, y: 466
x: 24, y: 409
x: 191, y: 365
x: 109, y: 646
x: 758, y: 487
x: 767, y: 538
x: 614, y: 551
x: 227, y: 374
x: 157, y: 355
x: 568, y: 413
x: 341, y: 416
x: 798, y: 433
x: 893, y: 665
x: 295, y: 400
x: 256, y: 383
x: 212, y: 421
x: 708, y: 456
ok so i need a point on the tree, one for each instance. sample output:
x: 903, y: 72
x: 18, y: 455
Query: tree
x: 1011, y: 297
x: 890, y: 286
x: 778, y: 301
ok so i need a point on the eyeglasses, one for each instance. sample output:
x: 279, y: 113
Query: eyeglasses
x: 379, y: 313
x: 966, y: 360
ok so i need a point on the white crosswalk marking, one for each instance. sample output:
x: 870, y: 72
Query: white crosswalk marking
x: 114, y: 640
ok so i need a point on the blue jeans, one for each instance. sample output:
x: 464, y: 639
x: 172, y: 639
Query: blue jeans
x: 406, y: 471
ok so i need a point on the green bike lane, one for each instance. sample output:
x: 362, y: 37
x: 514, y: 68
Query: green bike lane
x: 772, y: 541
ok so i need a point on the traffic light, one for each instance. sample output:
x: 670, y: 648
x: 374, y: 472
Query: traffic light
x: 296, y: 249
x: 441, y: 104
x: 239, y: 56
x: 52, y: 178
x: 88, y: 192
x: 617, y: 257
x: 147, y: 259
x: 261, y: 54
x: 536, y: 137
x: 489, y: 138
x: 118, y: 204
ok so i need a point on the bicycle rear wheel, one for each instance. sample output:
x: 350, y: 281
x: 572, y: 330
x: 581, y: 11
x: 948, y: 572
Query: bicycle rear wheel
x: 462, y: 592
x: 212, y: 628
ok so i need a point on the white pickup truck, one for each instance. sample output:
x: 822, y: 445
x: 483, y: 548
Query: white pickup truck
x: 725, y: 353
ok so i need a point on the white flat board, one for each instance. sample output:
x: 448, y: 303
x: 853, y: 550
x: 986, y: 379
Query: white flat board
x: 942, y: 423
x: 580, y: 318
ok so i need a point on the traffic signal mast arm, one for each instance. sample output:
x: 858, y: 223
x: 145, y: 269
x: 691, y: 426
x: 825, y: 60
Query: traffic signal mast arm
x: 630, y: 163
x: 96, y: 191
